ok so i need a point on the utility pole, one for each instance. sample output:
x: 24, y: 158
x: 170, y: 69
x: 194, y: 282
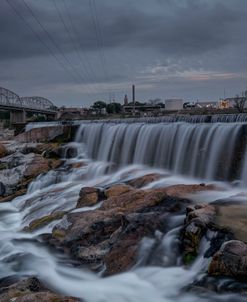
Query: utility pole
x: 133, y: 99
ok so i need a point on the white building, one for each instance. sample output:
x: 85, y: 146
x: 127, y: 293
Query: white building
x: 174, y: 104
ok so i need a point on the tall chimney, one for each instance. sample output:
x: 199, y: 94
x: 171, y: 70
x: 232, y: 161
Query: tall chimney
x: 133, y: 99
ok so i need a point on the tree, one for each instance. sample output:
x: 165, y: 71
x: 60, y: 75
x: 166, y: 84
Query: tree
x: 113, y: 108
x: 99, y: 105
x: 239, y: 102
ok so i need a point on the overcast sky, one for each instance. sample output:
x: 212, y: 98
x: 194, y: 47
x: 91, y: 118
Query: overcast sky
x: 77, y: 51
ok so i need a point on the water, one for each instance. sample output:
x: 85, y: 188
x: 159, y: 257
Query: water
x: 120, y: 152
x: 215, y: 118
x: 198, y: 150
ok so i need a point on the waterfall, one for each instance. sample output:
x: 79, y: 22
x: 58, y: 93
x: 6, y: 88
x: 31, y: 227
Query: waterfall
x: 198, y: 150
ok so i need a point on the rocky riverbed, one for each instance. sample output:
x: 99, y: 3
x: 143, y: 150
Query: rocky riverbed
x: 113, y: 223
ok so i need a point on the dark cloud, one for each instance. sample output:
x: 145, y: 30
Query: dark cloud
x: 157, y: 44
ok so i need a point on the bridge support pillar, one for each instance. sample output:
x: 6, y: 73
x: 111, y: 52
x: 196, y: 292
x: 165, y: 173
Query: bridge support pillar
x: 18, y: 117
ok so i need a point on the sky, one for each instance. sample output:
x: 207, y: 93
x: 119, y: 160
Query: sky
x: 75, y: 52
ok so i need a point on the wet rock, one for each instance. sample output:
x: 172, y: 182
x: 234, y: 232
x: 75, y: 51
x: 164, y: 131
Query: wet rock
x: 205, y: 284
x: 88, y: 196
x: 21, y: 169
x: 2, y: 189
x: 144, y: 180
x: 40, y: 165
x: 185, y: 190
x: 71, y: 152
x: 117, y: 190
x: 110, y: 235
x: 229, y: 212
x: 197, y: 221
x: 3, y: 151
x: 230, y: 260
x: 30, y: 289
x: 43, y: 221
x: 45, y: 297
x: 123, y: 253
x: 227, y: 221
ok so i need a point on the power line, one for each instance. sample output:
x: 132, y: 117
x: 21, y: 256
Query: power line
x: 17, y: 12
x: 52, y: 40
x: 97, y: 33
x: 78, y: 40
x: 70, y: 36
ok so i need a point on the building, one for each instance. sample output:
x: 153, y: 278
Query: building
x: 174, y: 104
x: 72, y: 113
x: 207, y: 104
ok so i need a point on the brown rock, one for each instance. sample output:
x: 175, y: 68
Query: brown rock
x: 117, y: 190
x: 88, y: 196
x: 230, y: 260
x: 184, y: 190
x: 144, y: 180
x: 43, y: 221
x: 110, y: 235
x: 45, y: 297
x: 32, y: 290
x: 40, y: 165
x: 197, y: 221
x: 3, y: 151
x: 233, y: 212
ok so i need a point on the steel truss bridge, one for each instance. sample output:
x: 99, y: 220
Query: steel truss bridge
x: 19, y: 106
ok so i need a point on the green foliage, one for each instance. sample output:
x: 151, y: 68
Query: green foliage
x: 113, y: 108
x: 189, y: 258
x: 99, y: 105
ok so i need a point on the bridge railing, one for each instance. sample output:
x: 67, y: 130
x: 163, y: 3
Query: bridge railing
x: 11, y: 99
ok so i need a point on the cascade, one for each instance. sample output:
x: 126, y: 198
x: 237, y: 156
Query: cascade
x: 198, y: 150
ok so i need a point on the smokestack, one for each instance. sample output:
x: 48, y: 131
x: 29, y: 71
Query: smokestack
x: 133, y: 98
x: 133, y: 93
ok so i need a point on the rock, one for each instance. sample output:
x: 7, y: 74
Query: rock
x: 32, y: 290
x: 88, y: 196
x: 43, y: 134
x: 228, y: 220
x: 22, y: 169
x: 230, y: 260
x: 40, y: 165
x: 185, y: 190
x: 43, y: 221
x: 3, y: 151
x: 14, y: 195
x: 144, y: 180
x: 232, y: 211
x: 2, y: 189
x: 71, y: 152
x: 45, y: 297
x: 123, y: 253
x: 197, y: 221
x: 110, y: 235
x: 117, y: 190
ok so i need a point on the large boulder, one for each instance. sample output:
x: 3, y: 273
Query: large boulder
x: 230, y: 260
x: 110, y: 235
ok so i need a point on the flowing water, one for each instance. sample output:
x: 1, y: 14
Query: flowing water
x: 110, y: 153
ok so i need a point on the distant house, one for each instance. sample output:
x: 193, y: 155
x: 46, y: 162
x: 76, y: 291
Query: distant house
x: 207, y: 104
x: 72, y: 113
x: 232, y: 102
x: 173, y: 104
